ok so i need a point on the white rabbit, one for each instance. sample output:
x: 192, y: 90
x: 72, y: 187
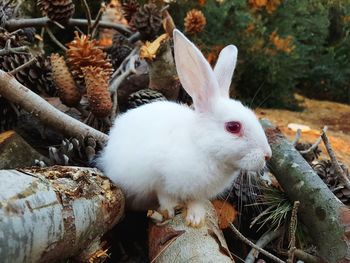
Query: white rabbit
x: 167, y: 152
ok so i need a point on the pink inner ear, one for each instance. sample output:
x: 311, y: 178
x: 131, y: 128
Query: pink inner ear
x: 195, y: 73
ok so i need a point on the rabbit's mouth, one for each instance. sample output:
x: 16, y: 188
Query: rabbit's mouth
x: 253, y: 162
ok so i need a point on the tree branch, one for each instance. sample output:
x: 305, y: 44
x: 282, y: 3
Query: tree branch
x: 15, y: 92
x: 14, y: 24
x: 250, y: 243
x: 262, y: 242
x: 319, y: 210
x: 334, y: 160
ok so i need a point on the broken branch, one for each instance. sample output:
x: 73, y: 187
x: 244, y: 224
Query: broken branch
x: 334, y: 160
x: 15, y: 92
x: 14, y: 24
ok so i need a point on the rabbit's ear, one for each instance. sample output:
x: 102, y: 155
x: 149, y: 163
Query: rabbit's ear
x: 224, y: 68
x: 195, y: 73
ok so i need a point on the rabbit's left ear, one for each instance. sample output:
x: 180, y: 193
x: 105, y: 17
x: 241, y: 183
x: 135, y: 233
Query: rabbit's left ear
x: 224, y: 68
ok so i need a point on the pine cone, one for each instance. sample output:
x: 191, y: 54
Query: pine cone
x: 7, y: 8
x: 37, y: 76
x: 148, y: 21
x: 75, y: 151
x: 310, y: 156
x: 83, y: 52
x: 119, y: 50
x: 326, y: 171
x: 97, y: 91
x: 130, y: 7
x: 67, y: 90
x: 144, y: 96
x: 194, y: 21
x: 57, y: 10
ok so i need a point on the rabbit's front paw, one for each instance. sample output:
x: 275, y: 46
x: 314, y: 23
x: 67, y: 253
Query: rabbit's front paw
x: 195, y: 214
x: 167, y: 206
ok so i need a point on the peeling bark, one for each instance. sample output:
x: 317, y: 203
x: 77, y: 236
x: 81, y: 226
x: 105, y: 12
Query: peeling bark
x: 176, y: 242
x: 327, y: 219
x: 49, y: 214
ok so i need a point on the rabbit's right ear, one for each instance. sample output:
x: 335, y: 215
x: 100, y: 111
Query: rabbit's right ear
x: 224, y: 68
x: 195, y: 73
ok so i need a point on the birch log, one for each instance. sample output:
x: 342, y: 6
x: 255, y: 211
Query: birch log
x: 176, y: 242
x: 327, y: 219
x: 49, y: 214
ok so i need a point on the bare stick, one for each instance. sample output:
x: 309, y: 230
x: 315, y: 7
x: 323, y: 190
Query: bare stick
x: 134, y: 37
x: 122, y: 65
x: 55, y: 40
x: 8, y: 50
x: 15, y: 92
x: 28, y: 63
x: 88, y: 15
x: 14, y: 24
x: 262, y: 242
x: 334, y: 160
x: 297, y: 137
x: 250, y: 243
x: 97, y: 20
x: 317, y: 143
x: 292, y: 229
x: 306, y: 257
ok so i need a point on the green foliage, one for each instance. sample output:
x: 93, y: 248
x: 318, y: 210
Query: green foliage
x: 287, y: 47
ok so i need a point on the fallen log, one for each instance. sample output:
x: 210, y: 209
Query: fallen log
x: 327, y: 219
x: 16, y: 152
x: 176, y: 242
x: 50, y: 214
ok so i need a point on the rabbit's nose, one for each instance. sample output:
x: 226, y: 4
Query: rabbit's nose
x: 267, y: 157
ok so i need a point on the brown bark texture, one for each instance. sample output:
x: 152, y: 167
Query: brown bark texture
x: 50, y: 214
x: 162, y: 73
x: 177, y: 242
x: 327, y: 219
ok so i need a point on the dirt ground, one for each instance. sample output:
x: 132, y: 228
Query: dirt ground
x: 316, y: 115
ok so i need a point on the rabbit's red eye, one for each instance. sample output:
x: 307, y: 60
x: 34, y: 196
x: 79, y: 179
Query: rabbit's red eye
x: 233, y: 127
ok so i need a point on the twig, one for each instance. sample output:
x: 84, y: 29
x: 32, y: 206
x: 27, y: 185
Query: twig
x: 134, y: 37
x: 297, y: 137
x: 28, y: 63
x: 306, y: 257
x: 7, y: 50
x: 250, y: 243
x: 88, y: 15
x: 15, y: 92
x: 292, y: 229
x: 334, y: 160
x: 55, y: 40
x: 58, y: 24
x: 97, y: 20
x: 14, y: 24
x: 314, y: 146
x: 262, y: 242
x: 122, y: 65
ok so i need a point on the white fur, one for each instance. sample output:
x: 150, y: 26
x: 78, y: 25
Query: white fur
x: 169, y: 152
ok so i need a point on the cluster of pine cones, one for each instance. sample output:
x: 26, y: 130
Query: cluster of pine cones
x: 326, y: 171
